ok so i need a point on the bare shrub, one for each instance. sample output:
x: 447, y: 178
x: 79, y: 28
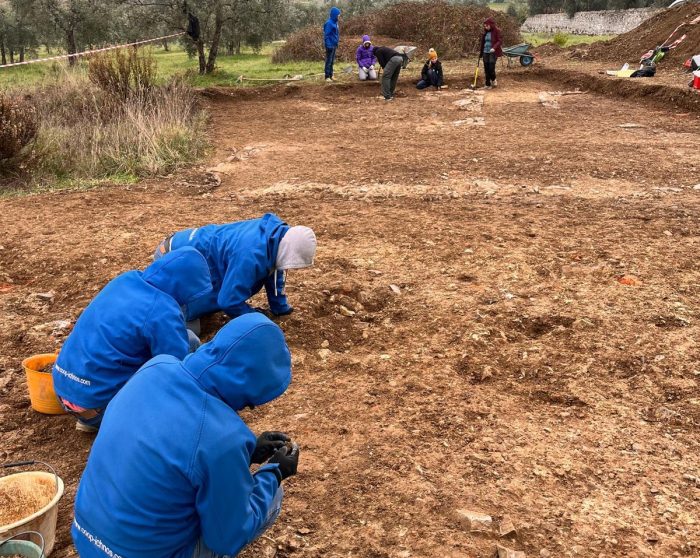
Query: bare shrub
x: 18, y: 128
x: 123, y: 73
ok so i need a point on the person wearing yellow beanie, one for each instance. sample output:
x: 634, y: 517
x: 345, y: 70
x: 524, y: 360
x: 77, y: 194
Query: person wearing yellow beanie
x: 431, y: 74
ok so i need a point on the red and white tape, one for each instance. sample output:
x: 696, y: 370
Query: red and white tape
x: 88, y: 52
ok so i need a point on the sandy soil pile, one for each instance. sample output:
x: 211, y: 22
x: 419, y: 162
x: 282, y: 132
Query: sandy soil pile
x: 23, y: 495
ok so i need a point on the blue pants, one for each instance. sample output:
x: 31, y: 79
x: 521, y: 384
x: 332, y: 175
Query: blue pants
x: 330, y: 60
x: 433, y: 79
x: 201, y: 550
x: 92, y: 422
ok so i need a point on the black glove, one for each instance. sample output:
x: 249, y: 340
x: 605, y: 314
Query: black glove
x: 287, y: 461
x: 266, y: 446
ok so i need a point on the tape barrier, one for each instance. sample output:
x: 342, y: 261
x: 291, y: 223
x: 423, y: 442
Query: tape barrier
x: 89, y: 52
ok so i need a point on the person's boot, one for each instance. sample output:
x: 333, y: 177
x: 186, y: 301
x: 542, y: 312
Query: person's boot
x: 82, y: 427
x: 494, y: 83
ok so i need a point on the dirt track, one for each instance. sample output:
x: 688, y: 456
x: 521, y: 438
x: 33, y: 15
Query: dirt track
x: 514, y: 375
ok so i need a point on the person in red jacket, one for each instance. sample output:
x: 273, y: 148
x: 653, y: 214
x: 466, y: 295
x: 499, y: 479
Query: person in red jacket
x: 490, y: 50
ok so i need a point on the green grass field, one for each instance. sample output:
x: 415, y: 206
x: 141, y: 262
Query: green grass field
x: 172, y: 63
x: 228, y: 68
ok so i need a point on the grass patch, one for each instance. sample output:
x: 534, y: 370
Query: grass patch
x: 171, y: 64
x: 564, y: 39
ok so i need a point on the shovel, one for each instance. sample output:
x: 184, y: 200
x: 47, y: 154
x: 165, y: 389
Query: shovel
x: 476, y: 74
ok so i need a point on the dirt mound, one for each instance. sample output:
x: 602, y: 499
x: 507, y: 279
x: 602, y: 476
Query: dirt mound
x: 307, y: 44
x: 630, y: 46
x: 452, y: 30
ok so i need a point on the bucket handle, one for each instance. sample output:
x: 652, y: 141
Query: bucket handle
x: 37, y: 533
x: 27, y: 463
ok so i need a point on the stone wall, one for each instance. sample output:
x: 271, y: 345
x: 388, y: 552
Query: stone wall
x: 608, y: 22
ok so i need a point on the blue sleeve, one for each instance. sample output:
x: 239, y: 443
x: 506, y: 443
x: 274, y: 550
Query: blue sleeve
x: 327, y: 32
x: 165, y: 329
x: 237, y: 287
x: 357, y: 57
x: 232, y: 504
x: 278, y: 302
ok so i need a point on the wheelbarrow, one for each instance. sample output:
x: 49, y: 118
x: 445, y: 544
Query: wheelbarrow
x: 521, y: 51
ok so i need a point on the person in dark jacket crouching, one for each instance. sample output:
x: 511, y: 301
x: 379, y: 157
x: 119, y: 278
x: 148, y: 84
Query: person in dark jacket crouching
x: 169, y: 475
x: 491, y: 50
x: 431, y: 74
x: 392, y: 62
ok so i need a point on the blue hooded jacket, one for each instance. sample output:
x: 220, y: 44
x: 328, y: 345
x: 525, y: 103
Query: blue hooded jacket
x: 331, y: 31
x: 135, y: 317
x: 171, y: 462
x: 241, y: 258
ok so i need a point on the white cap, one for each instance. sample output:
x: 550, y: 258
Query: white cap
x: 297, y: 249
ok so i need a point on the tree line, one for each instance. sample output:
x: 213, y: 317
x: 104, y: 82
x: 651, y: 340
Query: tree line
x: 28, y: 27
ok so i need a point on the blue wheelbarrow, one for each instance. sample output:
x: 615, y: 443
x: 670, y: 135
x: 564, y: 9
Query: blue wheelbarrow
x: 521, y: 51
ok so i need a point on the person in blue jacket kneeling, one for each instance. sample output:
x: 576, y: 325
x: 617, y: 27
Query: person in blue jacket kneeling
x: 243, y: 257
x: 169, y: 473
x: 135, y: 317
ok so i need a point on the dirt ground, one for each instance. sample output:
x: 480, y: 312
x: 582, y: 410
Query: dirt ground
x: 508, y: 371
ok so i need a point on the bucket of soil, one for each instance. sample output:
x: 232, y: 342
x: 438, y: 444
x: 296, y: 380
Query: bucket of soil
x: 29, y: 502
x: 40, y: 384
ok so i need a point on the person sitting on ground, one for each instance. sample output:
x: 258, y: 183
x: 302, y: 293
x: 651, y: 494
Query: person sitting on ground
x: 490, y: 51
x: 243, y: 257
x: 392, y: 62
x: 331, y: 39
x: 135, y: 317
x: 431, y: 74
x: 366, y: 60
x: 169, y: 473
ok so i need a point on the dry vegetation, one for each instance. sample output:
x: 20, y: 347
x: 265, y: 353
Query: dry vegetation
x: 452, y: 30
x: 116, y: 122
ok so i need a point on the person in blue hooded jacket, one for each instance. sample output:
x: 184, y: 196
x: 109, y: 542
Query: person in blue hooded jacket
x: 169, y: 476
x: 243, y: 258
x: 331, y: 39
x: 135, y: 317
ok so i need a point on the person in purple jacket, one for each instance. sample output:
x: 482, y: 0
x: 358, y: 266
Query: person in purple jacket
x: 366, y: 60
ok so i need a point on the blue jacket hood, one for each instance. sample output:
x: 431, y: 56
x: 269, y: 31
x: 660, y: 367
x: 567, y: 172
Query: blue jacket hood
x: 247, y: 362
x: 183, y: 274
x: 334, y: 13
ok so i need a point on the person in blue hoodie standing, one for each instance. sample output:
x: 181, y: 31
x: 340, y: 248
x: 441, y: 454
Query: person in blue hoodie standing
x: 169, y: 475
x: 331, y: 38
x: 243, y: 258
x: 135, y: 317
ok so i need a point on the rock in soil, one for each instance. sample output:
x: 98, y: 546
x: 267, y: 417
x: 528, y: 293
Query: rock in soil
x: 504, y: 552
x: 475, y: 521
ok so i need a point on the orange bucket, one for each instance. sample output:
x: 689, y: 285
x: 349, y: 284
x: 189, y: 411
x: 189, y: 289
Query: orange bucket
x: 40, y: 384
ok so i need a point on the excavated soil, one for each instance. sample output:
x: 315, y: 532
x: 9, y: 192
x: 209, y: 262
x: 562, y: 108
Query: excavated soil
x: 24, y: 495
x: 499, y: 360
x: 656, y: 31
